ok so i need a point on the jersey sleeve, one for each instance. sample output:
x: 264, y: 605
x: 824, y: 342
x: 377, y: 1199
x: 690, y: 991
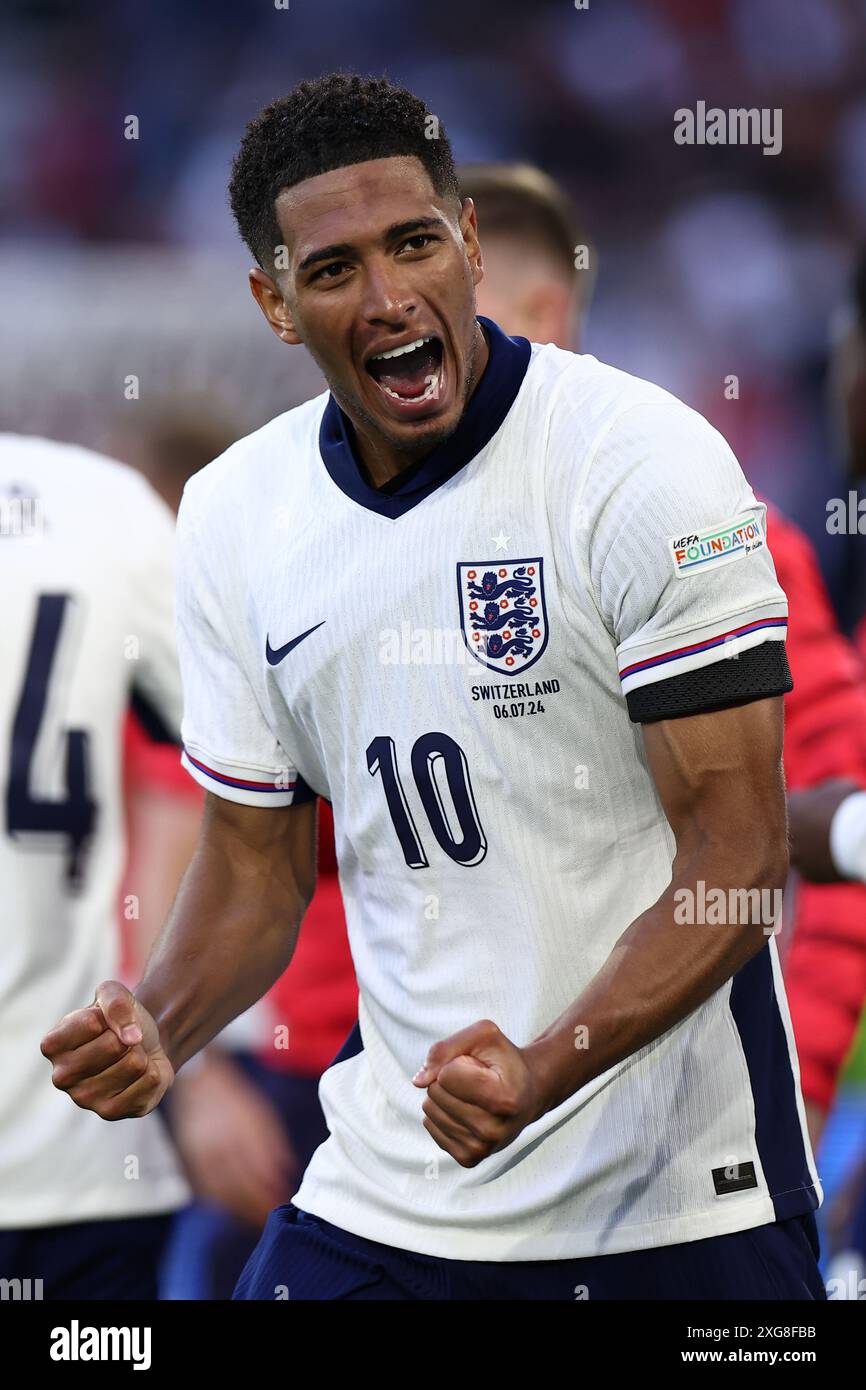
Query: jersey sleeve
x: 680, y: 567
x: 156, y: 695
x: 228, y: 747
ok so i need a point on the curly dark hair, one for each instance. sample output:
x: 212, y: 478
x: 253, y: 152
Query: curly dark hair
x: 325, y: 124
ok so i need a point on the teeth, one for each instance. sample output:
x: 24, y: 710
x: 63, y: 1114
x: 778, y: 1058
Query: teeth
x: 432, y: 388
x: 398, y: 352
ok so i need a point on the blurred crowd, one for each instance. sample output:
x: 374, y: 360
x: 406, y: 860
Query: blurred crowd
x: 740, y: 252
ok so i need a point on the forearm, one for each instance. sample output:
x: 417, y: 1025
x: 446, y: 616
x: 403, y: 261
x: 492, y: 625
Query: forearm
x: 660, y: 970
x: 231, y: 933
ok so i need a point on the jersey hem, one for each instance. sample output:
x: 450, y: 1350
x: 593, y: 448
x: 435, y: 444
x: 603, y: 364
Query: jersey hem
x: 457, y: 1243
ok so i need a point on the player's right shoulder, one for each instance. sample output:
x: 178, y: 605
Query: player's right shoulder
x: 246, y: 479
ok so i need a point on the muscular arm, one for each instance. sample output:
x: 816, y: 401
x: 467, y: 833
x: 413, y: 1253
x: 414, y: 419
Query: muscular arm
x: 231, y: 932
x: 719, y: 780
x: 235, y: 921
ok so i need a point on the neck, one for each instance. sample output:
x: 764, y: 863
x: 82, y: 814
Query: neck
x: 384, y: 460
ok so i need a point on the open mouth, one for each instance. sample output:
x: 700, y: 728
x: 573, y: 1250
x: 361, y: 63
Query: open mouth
x: 409, y: 375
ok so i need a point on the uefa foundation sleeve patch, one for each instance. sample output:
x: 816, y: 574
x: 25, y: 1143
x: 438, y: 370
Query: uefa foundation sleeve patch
x: 698, y: 551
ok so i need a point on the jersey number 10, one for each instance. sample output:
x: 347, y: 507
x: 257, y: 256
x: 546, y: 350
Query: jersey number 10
x: 433, y: 754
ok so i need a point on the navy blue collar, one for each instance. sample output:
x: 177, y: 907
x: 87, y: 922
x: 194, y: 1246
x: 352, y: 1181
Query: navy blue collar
x: 488, y: 406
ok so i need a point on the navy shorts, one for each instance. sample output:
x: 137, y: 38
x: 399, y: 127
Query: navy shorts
x: 86, y: 1259
x: 303, y: 1257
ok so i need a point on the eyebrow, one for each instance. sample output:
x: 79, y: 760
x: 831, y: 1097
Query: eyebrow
x: 399, y: 229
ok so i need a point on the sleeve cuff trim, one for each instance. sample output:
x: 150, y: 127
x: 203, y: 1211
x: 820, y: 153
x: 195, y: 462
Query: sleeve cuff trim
x: 242, y: 783
x: 700, y: 653
x: 274, y: 792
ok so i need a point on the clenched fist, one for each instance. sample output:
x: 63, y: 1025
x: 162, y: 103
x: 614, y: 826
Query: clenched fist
x: 482, y: 1090
x: 108, y: 1057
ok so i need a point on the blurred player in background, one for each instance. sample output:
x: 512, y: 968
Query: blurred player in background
x: 825, y: 735
x: 247, y: 1118
x: 166, y: 444
x: 539, y: 265
x: 86, y: 570
x: 526, y: 215
x: 245, y: 1115
x: 828, y: 820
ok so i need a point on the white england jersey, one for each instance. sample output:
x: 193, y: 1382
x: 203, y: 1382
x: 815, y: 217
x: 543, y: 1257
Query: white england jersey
x: 458, y: 661
x: 86, y: 559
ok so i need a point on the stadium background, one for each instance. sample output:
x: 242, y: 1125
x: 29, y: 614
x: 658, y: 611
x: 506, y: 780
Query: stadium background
x: 712, y: 260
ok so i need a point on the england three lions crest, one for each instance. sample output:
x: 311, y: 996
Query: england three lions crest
x: 503, y: 615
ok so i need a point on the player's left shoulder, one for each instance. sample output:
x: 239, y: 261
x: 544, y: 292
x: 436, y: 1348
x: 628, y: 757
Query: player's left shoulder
x: 601, y: 416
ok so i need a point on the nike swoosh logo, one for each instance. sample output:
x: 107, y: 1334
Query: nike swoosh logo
x: 275, y: 655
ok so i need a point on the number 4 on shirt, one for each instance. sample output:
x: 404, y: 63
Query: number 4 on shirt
x: 71, y: 819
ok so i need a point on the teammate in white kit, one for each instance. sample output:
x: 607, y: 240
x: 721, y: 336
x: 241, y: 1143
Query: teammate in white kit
x: 86, y: 552
x: 513, y: 612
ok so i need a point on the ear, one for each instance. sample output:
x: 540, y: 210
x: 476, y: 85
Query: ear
x: 272, y: 304
x: 469, y: 229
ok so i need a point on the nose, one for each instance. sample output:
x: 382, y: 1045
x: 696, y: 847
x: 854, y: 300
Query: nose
x: 387, y: 298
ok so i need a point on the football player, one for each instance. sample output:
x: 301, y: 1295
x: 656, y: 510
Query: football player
x: 86, y: 553
x: 481, y: 594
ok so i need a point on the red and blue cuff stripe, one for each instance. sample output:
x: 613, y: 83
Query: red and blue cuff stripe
x: 242, y: 783
x: 678, y: 653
